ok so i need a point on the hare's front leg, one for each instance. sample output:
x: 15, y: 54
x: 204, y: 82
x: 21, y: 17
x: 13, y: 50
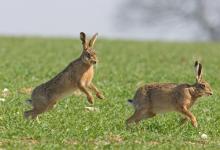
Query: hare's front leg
x: 88, y: 94
x: 188, y: 114
x: 98, y: 93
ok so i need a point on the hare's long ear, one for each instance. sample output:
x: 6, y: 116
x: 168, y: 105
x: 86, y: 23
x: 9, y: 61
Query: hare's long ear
x: 198, y: 70
x: 93, y: 39
x: 83, y: 39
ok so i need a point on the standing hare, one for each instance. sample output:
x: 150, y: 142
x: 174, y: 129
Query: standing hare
x: 77, y: 75
x: 152, y: 99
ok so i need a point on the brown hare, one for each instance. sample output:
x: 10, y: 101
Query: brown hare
x: 152, y: 99
x: 77, y: 75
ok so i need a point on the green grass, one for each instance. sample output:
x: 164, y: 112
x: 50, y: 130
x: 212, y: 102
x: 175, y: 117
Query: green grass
x: 123, y: 66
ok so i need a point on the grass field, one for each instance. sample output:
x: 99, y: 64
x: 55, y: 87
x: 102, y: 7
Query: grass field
x: 123, y: 66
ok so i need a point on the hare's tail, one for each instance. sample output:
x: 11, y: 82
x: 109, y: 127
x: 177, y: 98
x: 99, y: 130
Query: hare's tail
x: 29, y: 101
x: 130, y: 101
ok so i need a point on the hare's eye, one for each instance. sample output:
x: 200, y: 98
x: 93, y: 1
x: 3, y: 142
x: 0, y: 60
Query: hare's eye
x: 88, y: 55
x: 202, y: 86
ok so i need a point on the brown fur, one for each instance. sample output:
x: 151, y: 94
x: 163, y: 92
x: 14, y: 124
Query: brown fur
x: 77, y: 75
x: 152, y: 99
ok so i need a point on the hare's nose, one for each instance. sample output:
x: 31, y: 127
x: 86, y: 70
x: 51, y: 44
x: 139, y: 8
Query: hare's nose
x: 210, y: 93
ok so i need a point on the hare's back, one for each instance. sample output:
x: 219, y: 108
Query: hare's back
x: 162, y: 97
x: 156, y: 96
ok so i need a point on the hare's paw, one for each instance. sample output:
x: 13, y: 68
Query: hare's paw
x: 195, y: 124
x: 90, y: 99
x: 100, y: 96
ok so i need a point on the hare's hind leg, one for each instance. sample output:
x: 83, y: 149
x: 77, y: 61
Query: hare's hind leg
x: 139, y: 115
x: 33, y: 113
x: 51, y: 104
x: 39, y: 106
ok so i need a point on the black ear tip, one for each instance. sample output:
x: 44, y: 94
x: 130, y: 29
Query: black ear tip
x: 200, y: 65
x: 196, y: 63
x: 82, y: 33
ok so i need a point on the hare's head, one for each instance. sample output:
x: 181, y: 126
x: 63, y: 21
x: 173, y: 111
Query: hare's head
x: 202, y: 87
x: 88, y: 55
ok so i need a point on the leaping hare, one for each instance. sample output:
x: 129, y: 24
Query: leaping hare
x: 77, y: 75
x: 152, y: 99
